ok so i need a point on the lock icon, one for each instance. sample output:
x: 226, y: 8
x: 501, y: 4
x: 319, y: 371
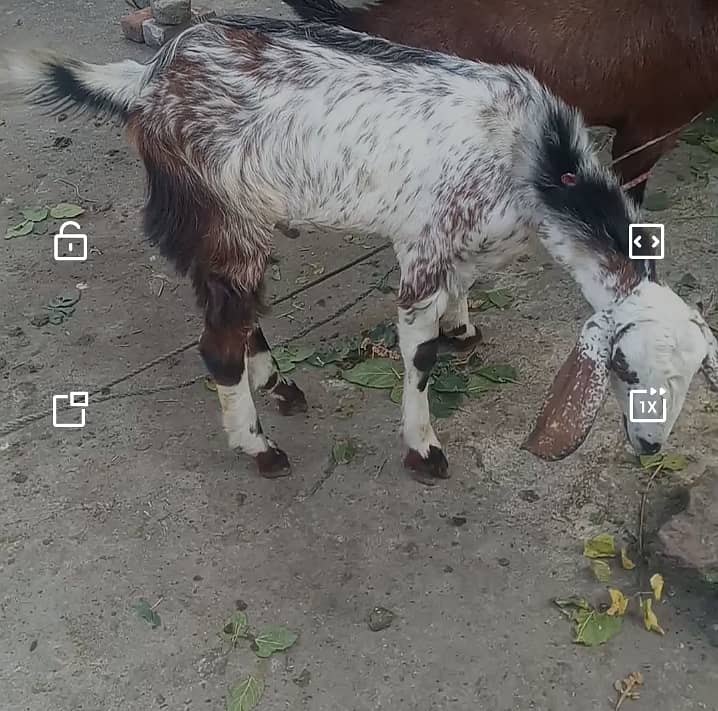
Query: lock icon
x: 70, y: 246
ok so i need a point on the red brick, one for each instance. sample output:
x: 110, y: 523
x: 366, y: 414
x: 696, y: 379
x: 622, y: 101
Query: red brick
x: 132, y: 24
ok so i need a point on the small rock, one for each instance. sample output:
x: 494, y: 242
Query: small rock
x: 61, y: 142
x: 61, y: 117
x: 132, y: 24
x: 380, y: 618
x: 19, y: 477
x: 197, y: 578
x: 503, y: 562
x: 156, y: 34
x: 303, y: 679
x: 448, y: 569
x: 529, y: 495
x: 171, y: 12
x: 241, y: 605
x: 33, y: 645
x: 15, y: 331
x: 39, y: 320
x: 458, y: 520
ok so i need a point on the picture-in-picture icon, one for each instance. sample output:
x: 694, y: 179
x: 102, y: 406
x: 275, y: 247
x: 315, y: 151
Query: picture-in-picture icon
x: 73, y: 417
x: 646, y: 241
x: 70, y: 246
x: 648, y: 405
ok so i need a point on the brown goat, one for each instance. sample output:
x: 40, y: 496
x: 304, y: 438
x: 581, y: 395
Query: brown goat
x: 642, y: 67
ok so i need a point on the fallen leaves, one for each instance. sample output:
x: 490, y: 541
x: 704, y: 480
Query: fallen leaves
x: 601, y: 546
x: 147, y: 612
x: 591, y: 627
x: 656, y: 583
x: 245, y: 695
x: 664, y: 461
x: 480, y: 300
x: 619, y: 603
x: 33, y: 217
x: 273, y: 638
x: 343, y: 451
x: 626, y: 688
x: 601, y: 570
x: 626, y: 562
x: 649, y: 617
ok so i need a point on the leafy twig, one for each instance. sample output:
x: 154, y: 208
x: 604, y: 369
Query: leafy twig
x: 642, y: 514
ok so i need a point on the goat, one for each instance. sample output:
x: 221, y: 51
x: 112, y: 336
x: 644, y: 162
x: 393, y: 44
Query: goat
x: 644, y: 69
x: 244, y: 123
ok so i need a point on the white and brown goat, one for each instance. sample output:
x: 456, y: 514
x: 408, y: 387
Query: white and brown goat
x: 244, y: 123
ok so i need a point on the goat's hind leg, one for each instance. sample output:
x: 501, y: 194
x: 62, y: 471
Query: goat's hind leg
x: 455, y: 326
x: 419, y: 340
x: 230, y: 316
x: 264, y: 375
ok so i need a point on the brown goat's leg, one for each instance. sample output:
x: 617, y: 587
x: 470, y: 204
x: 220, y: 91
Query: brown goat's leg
x: 263, y: 374
x: 230, y: 316
x: 640, y: 163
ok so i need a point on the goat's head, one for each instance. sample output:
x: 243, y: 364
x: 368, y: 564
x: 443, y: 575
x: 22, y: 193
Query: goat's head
x: 651, y: 340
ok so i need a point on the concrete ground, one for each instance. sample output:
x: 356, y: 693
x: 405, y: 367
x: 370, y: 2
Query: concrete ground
x: 146, y: 502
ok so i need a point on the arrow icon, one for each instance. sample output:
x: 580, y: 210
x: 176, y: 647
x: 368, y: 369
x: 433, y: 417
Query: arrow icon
x: 655, y: 234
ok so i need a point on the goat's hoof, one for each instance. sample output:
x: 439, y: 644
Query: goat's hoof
x: 453, y: 339
x: 290, y: 398
x: 427, y: 469
x: 273, y: 463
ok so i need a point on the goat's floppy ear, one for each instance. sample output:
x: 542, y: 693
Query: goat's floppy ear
x: 709, y: 367
x: 577, y: 393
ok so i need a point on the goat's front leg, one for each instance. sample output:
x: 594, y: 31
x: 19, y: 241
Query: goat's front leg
x: 455, y: 325
x: 229, y: 322
x: 264, y: 374
x: 419, y: 340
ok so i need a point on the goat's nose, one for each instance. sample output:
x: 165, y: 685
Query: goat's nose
x: 649, y: 447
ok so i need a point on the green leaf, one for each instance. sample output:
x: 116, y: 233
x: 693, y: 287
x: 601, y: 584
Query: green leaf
x: 343, y: 451
x: 442, y: 405
x: 379, y: 373
x: 65, y: 210
x: 35, y: 214
x: 283, y: 360
x: 384, y: 333
x: 298, y: 354
x: 20, y: 230
x: 245, y: 695
x: 237, y: 627
x: 601, y: 570
x: 66, y: 299
x: 500, y: 298
x: 670, y: 462
x: 594, y: 628
x: 449, y: 383
x: 657, y: 202
x: 572, y: 606
x: 498, y: 373
x: 397, y: 392
x: 478, y: 385
x: 711, y: 144
x: 322, y: 358
x: 274, y: 638
x: 144, y: 611
x: 600, y: 546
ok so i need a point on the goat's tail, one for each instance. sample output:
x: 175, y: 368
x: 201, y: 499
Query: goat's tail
x: 61, y: 84
x: 327, y: 11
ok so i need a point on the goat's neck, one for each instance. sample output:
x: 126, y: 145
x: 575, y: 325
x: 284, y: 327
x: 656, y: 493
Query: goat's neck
x: 603, y: 277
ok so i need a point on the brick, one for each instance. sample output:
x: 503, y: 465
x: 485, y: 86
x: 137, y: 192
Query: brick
x: 171, y: 12
x: 156, y: 34
x: 132, y: 24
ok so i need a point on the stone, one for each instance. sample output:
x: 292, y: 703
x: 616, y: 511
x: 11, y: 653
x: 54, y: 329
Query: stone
x: 132, y: 24
x: 171, y: 12
x: 380, y: 618
x: 690, y: 538
x: 156, y: 34
x: 201, y: 14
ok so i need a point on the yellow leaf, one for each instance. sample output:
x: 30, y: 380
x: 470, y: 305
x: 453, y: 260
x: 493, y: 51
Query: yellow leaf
x: 657, y: 585
x: 619, y: 603
x: 601, y: 570
x: 649, y: 617
x: 626, y: 562
x: 600, y: 546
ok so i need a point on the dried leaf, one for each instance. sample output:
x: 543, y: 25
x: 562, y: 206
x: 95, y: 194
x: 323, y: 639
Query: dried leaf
x: 600, y: 546
x: 144, y: 610
x: 619, y: 603
x: 245, y: 695
x: 649, y: 617
x: 397, y: 392
x: 626, y: 562
x: 274, y: 638
x: 20, y: 230
x: 343, y: 451
x: 656, y: 582
x: 35, y: 214
x: 65, y: 210
x: 381, y: 373
x: 594, y: 628
x: 601, y: 570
